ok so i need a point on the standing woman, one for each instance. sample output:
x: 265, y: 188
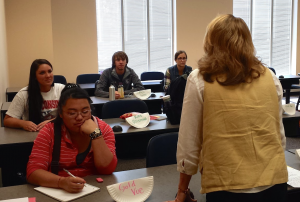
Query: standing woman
x: 35, y: 105
x: 177, y: 70
x: 87, y: 145
x: 231, y: 122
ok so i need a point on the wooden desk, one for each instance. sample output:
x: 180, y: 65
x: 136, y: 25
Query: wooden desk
x: 16, y: 145
x: 166, y: 180
x: 286, y: 83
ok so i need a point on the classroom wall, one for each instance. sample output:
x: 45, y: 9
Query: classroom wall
x: 3, y: 55
x: 192, y: 18
x: 297, y: 61
x: 74, y: 37
x: 64, y: 32
x: 29, y: 36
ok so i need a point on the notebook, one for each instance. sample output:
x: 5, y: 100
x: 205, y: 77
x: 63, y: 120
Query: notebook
x: 62, y: 195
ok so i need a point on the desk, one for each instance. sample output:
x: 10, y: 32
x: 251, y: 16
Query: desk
x: 291, y: 124
x: 4, y: 109
x: 15, y: 148
x: 133, y: 142
x: 154, y: 103
x: 89, y: 87
x: 16, y: 145
x: 286, y: 83
x: 154, y: 85
x: 11, y: 92
x: 166, y: 180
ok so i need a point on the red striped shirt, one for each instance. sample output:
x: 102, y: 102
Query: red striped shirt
x: 41, y: 154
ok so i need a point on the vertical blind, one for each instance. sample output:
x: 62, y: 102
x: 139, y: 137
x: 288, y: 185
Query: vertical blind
x: 141, y: 28
x: 270, y: 23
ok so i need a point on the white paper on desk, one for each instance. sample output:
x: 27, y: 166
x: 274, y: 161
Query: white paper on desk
x: 294, y: 177
x: 16, y: 200
x: 62, y: 195
x: 289, y: 108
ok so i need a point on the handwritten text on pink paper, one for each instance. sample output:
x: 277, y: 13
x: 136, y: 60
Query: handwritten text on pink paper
x: 130, y: 186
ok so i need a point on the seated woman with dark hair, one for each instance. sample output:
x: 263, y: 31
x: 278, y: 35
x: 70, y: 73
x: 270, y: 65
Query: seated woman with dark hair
x: 87, y: 144
x: 35, y: 105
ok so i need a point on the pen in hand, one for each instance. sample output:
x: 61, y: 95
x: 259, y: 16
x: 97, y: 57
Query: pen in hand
x: 71, y: 174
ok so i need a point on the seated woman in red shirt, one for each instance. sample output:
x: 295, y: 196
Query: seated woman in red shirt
x: 87, y: 145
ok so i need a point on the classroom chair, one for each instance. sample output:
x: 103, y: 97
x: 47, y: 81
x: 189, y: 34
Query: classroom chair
x: 87, y: 78
x: 145, y: 76
x: 116, y: 108
x: 59, y: 79
x: 162, y: 150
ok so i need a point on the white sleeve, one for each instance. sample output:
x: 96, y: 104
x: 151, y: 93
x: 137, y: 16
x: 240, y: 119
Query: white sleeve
x: 191, y: 126
x: 18, y: 106
x: 279, y: 96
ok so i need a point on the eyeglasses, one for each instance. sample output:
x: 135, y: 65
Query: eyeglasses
x: 181, y: 58
x: 75, y: 114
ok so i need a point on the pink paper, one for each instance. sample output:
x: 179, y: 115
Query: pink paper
x: 31, y: 199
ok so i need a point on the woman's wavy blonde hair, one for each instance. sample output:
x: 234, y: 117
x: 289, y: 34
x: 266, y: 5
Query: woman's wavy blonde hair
x: 229, y: 52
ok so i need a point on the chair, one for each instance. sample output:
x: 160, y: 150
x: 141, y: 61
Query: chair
x: 60, y: 79
x: 87, y: 78
x: 273, y: 70
x: 116, y: 108
x: 162, y: 150
x: 96, y: 83
x: 145, y: 76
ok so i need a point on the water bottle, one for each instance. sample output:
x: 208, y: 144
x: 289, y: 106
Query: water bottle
x: 121, y: 91
x: 111, y: 93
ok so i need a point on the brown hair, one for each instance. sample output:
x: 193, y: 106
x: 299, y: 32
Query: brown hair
x: 119, y: 55
x: 178, y: 53
x: 229, y: 52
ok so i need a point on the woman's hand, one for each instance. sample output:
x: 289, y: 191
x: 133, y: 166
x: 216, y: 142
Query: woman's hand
x: 117, y: 94
x: 71, y: 184
x: 42, y: 124
x: 29, y: 126
x: 88, y: 126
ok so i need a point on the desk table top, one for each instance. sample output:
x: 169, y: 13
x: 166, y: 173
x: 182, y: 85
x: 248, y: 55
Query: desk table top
x: 166, y: 180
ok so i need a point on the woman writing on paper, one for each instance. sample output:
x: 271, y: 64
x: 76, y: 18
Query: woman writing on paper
x: 87, y: 144
x: 35, y: 105
x: 231, y: 122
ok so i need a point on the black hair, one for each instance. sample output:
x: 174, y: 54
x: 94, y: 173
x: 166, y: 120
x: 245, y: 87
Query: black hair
x: 119, y: 55
x: 178, y: 53
x: 35, y: 98
x: 74, y: 91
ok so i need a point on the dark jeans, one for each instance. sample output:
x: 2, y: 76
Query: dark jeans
x: 277, y: 193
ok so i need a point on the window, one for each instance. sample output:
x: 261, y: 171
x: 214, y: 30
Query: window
x: 270, y: 23
x: 141, y: 28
